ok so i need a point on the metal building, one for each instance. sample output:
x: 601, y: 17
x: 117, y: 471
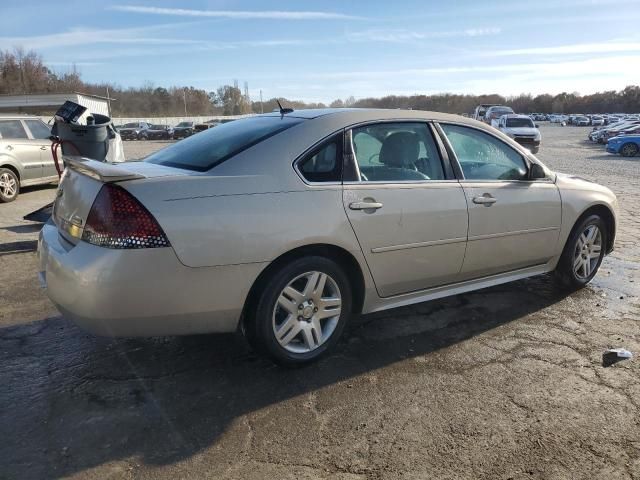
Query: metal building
x: 46, y: 104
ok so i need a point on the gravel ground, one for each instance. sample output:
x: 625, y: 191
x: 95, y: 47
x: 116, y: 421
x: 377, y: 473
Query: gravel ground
x: 502, y: 383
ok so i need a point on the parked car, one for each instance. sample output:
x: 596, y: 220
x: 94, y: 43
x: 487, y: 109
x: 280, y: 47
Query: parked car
x: 25, y: 155
x: 627, y: 146
x: 134, y: 131
x: 603, y: 134
x: 481, y: 110
x: 183, y: 130
x: 522, y: 129
x: 597, y: 121
x: 581, y: 121
x: 494, y: 113
x: 283, y: 225
x: 621, y: 131
x: 160, y: 132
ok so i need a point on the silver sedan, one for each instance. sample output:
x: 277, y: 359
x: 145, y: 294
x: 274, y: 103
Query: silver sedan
x: 283, y: 225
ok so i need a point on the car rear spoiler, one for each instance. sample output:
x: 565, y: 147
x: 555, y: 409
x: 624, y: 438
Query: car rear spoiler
x: 105, y: 172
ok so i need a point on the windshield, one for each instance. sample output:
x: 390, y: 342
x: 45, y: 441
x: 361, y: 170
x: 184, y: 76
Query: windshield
x: 185, y: 124
x: 130, y: 125
x: 157, y: 127
x: 205, y: 150
x: 519, y: 122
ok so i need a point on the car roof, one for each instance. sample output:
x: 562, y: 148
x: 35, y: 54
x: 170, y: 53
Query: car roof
x: 516, y: 115
x: 353, y: 115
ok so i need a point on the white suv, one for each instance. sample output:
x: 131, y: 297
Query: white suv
x: 25, y: 155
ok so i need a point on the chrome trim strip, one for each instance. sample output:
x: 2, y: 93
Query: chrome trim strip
x: 515, y: 232
x: 431, y: 243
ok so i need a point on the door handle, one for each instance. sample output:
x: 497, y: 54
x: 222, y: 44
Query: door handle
x: 43, y: 148
x: 9, y: 147
x: 487, y: 200
x: 365, y: 205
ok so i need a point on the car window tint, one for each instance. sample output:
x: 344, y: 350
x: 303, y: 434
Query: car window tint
x: 211, y: 147
x: 484, y: 157
x: 323, y: 164
x: 392, y: 152
x: 38, y: 129
x: 12, y: 129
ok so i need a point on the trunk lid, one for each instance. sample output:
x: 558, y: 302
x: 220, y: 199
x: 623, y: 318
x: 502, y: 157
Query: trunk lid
x: 82, y: 180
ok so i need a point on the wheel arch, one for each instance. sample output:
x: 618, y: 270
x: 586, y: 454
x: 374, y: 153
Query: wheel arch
x: 609, y: 218
x: 341, y: 256
x: 12, y: 167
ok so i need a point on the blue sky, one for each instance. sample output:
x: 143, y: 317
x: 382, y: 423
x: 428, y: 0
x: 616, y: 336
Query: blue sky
x: 322, y: 50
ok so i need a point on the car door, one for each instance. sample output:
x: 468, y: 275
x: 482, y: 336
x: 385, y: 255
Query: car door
x: 514, y: 222
x: 408, y: 212
x: 41, y: 133
x: 26, y: 151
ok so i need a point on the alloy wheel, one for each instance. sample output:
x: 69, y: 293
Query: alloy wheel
x: 8, y: 185
x: 307, y: 312
x: 629, y: 150
x: 587, y: 252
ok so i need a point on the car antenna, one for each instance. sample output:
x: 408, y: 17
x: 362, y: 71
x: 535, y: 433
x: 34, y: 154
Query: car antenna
x: 282, y: 109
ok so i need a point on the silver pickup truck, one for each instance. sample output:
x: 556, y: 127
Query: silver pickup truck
x: 522, y: 129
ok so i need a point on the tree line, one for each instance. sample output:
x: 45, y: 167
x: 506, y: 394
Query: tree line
x: 24, y: 72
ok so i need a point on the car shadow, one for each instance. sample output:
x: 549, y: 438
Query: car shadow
x: 71, y: 401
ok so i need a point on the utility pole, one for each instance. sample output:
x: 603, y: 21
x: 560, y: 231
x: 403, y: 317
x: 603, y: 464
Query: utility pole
x: 261, y: 105
x: 108, y: 102
x: 184, y: 92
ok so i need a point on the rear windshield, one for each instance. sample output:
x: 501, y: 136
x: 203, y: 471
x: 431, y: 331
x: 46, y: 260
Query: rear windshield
x: 130, y: 125
x: 157, y: 127
x: 519, y: 122
x: 205, y: 150
x: 184, y: 124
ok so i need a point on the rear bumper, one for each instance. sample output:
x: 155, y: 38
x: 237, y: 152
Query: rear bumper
x: 144, y: 292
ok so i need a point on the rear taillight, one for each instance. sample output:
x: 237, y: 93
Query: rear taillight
x: 118, y: 220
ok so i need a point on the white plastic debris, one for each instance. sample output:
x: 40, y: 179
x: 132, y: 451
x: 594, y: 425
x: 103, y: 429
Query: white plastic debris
x: 620, y: 352
x: 614, y: 355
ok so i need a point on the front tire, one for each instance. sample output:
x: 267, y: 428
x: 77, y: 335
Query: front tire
x: 301, y: 311
x: 583, y: 253
x: 9, y: 185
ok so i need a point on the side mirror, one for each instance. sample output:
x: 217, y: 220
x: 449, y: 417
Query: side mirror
x: 536, y: 172
x: 537, y: 126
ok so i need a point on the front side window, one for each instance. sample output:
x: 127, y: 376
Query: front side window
x: 484, y: 157
x: 213, y: 146
x: 324, y: 163
x: 396, y: 152
x: 12, y: 129
x: 38, y: 129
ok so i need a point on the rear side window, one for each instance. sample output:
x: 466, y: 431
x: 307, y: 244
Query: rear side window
x: 12, y: 129
x: 38, y: 129
x: 396, y: 152
x: 211, y: 147
x: 324, y: 163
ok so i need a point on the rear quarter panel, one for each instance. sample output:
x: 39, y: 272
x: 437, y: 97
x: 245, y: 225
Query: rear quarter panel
x: 227, y: 228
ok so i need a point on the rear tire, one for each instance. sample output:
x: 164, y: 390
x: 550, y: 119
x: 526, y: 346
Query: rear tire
x: 9, y: 185
x: 583, y: 253
x: 301, y: 311
x: 629, y: 150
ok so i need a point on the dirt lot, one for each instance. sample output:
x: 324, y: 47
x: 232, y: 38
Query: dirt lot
x: 502, y: 383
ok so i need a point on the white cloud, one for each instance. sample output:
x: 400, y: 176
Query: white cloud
x: 569, y: 49
x: 86, y: 36
x: 235, y: 14
x: 401, y: 36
